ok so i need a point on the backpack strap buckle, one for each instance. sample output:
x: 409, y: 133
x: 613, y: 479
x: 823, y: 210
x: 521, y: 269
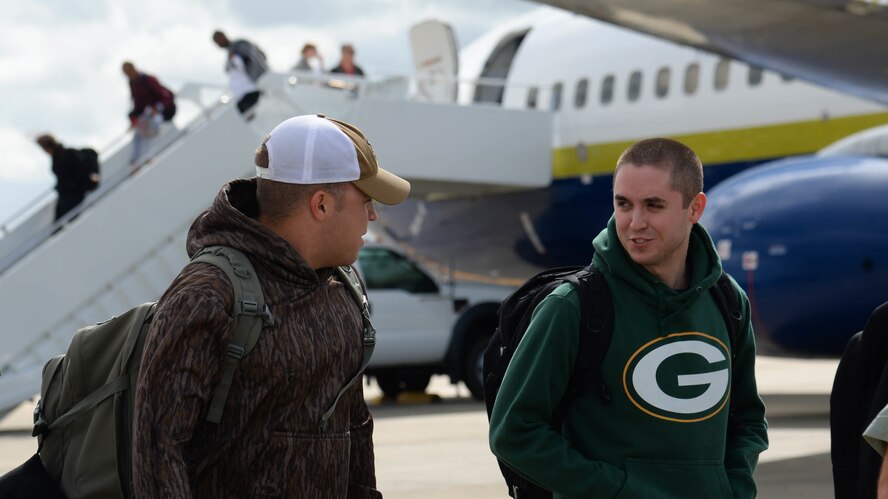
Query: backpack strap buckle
x: 40, y: 423
x: 247, y: 307
x: 369, y: 337
x: 266, y: 315
x: 252, y: 308
x: 236, y: 352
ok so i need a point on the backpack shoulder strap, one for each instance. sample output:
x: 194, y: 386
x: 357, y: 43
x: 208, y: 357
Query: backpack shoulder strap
x: 250, y: 315
x: 726, y: 298
x: 728, y: 303
x: 596, y: 330
x: 350, y: 278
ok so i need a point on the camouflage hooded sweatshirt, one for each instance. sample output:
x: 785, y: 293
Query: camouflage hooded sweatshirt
x: 268, y: 443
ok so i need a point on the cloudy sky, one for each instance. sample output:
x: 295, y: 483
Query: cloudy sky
x: 60, y: 59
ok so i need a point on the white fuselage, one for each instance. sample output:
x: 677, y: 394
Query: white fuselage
x: 563, y: 55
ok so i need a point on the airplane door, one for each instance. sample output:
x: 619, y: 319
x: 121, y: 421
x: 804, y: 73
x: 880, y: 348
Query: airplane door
x: 413, y: 320
x: 497, y: 67
x: 436, y: 61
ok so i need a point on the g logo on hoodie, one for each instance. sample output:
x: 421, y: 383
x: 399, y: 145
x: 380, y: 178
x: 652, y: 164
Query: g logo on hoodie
x: 683, y: 377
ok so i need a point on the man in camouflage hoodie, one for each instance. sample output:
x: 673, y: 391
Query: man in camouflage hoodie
x: 304, y: 215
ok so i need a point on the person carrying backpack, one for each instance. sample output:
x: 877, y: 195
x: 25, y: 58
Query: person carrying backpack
x: 148, y: 94
x: 153, y: 104
x: 294, y: 423
x: 675, y: 412
x: 74, y: 175
x: 245, y: 64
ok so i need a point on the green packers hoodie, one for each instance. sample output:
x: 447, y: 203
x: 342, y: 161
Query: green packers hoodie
x: 664, y: 433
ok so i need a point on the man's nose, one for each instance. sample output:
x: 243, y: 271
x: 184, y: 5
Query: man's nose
x: 638, y: 220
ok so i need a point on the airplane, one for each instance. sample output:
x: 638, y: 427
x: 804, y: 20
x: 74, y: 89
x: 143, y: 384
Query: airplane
x: 805, y: 237
x: 511, y: 173
x: 836, y: 43
x: 608, y: 87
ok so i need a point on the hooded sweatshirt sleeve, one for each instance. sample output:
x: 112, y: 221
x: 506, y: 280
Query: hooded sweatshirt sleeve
x: 182, y: 361
x: 532, y: 387
x: 749, y: 436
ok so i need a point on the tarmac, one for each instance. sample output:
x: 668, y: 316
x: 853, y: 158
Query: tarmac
x: 439, y: 449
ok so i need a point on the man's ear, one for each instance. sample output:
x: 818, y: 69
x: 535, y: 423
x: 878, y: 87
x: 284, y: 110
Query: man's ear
x: 698, y: 204
x: 320, y: 204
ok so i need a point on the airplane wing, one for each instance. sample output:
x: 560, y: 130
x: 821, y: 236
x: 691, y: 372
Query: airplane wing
x: 836, y: 43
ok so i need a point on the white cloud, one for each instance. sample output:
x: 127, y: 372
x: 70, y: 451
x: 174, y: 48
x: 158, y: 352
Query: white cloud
x: 24, y: 172
x: 22, y: 159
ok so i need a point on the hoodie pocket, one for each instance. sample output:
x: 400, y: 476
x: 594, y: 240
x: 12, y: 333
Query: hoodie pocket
x: 665, y: 479
x: 304, y: 465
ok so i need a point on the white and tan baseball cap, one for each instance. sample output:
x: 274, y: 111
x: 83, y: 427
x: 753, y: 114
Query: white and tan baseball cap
x: 315, y: 149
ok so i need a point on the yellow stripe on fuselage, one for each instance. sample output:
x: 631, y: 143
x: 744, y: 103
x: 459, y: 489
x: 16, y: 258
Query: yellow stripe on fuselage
x: 725, y: 146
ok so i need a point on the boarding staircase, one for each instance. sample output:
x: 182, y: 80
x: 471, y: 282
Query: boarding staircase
x: 125, y: 243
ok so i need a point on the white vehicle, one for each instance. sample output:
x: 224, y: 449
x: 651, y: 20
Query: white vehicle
x: 423, y: 326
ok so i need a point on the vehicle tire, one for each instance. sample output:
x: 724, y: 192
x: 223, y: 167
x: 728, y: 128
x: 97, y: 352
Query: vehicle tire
x: 473, y: 363
x: 390, y: 385
x: 416, y: 381
x: 394, y: 382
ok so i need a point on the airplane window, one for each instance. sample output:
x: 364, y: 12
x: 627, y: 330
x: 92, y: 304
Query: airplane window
x: 692, y: 77
x: 532, y: 97
x: 556, y: 96
x: 721, y: 74
x: 755, y: 76
x: 385, y: 269
x: 607, y: 89
x: 634, y: 86
x: 662, y: 82
x: 582, y: 90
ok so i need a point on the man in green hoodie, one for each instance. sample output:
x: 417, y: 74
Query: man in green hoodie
x: 665, y: 432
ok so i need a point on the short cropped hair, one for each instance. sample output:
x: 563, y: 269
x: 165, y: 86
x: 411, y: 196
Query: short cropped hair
x: 686, y: 168
x: 279, y: 200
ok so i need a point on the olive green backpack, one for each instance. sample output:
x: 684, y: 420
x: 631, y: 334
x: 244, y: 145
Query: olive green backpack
x: 84, y: 418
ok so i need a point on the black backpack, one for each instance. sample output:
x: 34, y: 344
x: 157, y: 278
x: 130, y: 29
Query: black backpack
x: 89, y: 160
x: 597, y: 323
